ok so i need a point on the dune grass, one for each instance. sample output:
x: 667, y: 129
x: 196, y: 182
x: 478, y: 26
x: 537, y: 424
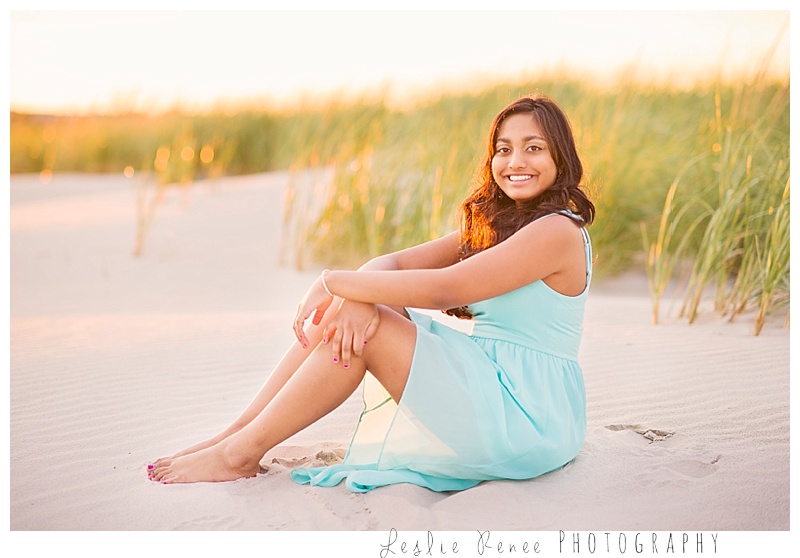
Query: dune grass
x: 704, y: 173
x: 731, y: 219
x: 681, y: 178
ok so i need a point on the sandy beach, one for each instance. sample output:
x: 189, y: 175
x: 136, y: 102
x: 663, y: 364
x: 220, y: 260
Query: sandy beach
x: 117, y: 360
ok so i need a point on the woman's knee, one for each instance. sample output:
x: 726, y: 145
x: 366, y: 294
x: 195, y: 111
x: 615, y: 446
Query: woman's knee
x: 389, y: 354
x: 391, y: 318
x: 396, y: 309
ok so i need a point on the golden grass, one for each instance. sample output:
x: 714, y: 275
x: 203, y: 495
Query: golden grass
x: 704, y: 173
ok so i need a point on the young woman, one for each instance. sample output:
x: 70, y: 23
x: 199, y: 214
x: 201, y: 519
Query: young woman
x: 443, y: 409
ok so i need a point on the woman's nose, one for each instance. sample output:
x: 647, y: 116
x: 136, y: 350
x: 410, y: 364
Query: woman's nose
x: 516, y: 160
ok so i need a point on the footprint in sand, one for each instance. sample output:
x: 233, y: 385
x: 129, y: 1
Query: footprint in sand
x: 682, y: 473
x: 652, y: 434
x: 323, y: 458
x: 695, y: 468
x: 666, y: 472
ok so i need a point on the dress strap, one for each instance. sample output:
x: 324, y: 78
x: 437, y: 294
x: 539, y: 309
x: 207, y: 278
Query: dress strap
x: 587, y: 243
x: 571, y: 215
x: 587, y: 249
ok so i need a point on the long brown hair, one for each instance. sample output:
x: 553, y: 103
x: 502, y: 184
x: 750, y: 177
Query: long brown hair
x: 489, y: 216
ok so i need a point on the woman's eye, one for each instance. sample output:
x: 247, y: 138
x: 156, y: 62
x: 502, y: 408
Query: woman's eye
x: 502, y: 150
x: 534, y: 148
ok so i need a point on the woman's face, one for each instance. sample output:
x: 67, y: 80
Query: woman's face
x: 522, y: 165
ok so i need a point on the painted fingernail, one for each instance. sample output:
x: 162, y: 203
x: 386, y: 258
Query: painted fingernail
x: 365, y: 341
x: 149, y: 466
x: 347, y: 366
x: 335, y: 359
x: 165, y: 482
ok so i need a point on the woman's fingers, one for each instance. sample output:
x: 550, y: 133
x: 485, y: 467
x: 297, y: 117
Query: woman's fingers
x: 360, y: 339
x: 349, y: 331
x: 372, y: 327
x: 320, y: 310
x: 328, y: 333
x: 342, y: 344
x: 316, y: 301
x: 358, y: 343
x: 347, y: 348
x: 299, y: 320
x: 336, y: 345
x: 304, y: 311
x: 318, y: 314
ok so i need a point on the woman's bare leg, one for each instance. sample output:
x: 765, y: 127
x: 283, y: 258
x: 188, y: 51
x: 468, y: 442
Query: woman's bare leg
x: 284, y: 370
x: 317, y: 388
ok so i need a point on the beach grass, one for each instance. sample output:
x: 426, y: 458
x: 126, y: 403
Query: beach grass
x: 735, y: 209
x: 695, y: 178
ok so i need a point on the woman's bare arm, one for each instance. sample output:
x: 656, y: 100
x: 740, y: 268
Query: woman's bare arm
x: 434, y: 254
x: 355, y: 322
x: 542, y: 249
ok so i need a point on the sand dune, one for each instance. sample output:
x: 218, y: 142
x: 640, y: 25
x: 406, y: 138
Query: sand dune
x: 117, y: 360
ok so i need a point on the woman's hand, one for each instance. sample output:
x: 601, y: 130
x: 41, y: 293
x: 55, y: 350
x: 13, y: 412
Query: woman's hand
x: 350, y: 329
x: 316, y: 301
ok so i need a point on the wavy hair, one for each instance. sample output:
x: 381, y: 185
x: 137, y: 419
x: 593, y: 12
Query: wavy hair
x: 489, y: 216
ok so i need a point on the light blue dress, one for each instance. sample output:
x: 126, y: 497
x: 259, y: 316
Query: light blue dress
x: 504, y: 402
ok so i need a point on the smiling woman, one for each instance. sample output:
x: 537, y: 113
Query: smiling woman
x: 531, y: 168
x: 449, y: 409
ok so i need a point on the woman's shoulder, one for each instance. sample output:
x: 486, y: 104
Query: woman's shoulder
x: 545, y: 239
x: 557, y: 223
x: 552, y: 236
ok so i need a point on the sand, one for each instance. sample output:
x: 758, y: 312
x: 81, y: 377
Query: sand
x: 117, y: 360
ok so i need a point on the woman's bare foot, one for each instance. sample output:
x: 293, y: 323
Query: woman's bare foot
x: 192, y: 449
x: 217, y: 463
x: 233, y: 429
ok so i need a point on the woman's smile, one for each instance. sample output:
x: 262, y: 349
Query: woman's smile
x: 519, y: 177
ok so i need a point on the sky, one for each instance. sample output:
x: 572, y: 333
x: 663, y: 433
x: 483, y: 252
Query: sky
x: 102, y: 61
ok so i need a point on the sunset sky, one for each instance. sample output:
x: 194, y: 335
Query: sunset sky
x: 99, y: 61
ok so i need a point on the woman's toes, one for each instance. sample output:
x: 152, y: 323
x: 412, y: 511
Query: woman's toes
x: 158, y: 473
